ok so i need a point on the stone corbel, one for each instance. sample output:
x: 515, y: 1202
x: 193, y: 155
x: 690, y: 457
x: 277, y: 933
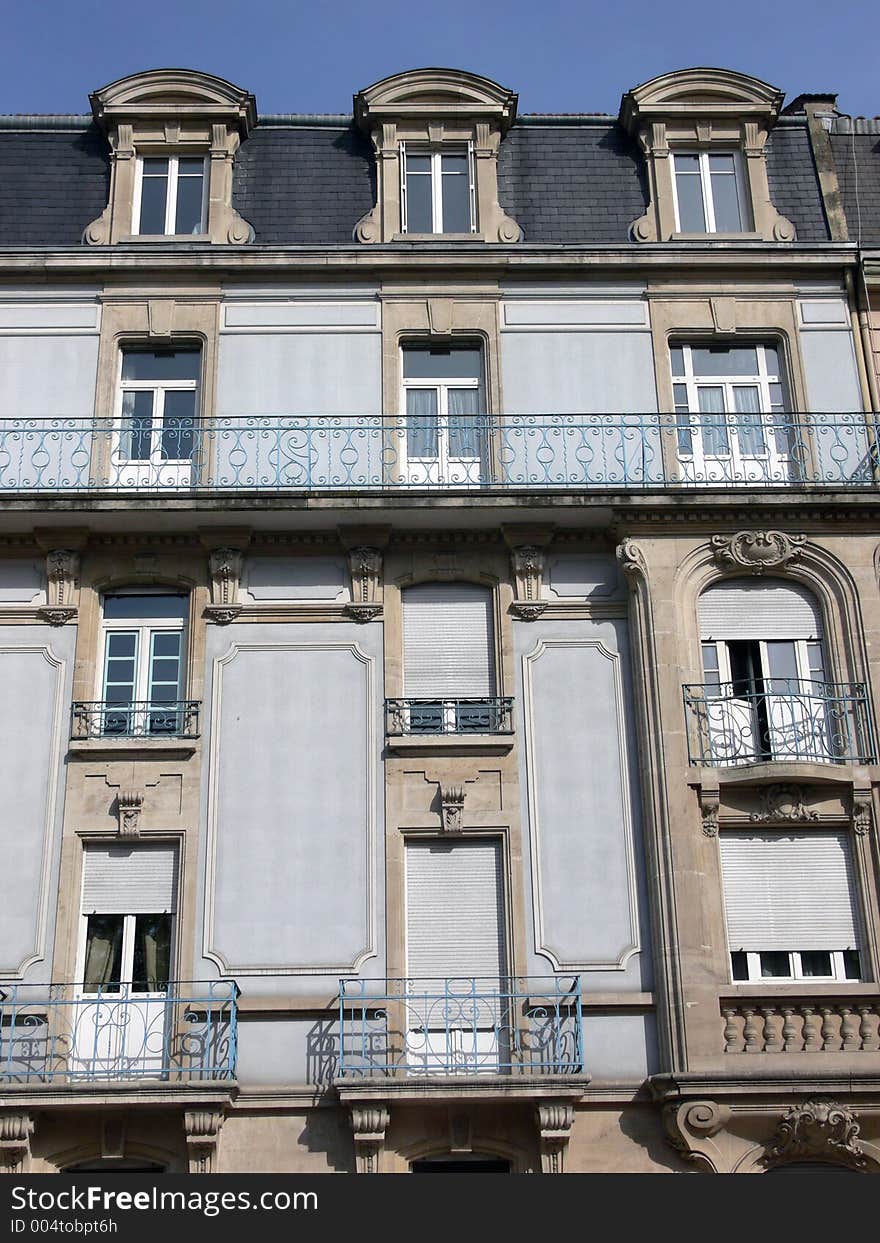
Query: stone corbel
x: 226, y: 224
x: 710, y: 805
x: 16, y: 1129
x: 62, y: 580
x: 691, y: 1128
x: 862, y: 810
x: 632, y: 561
x: 528, y: 547
x: 369, y: 1124
x: 452, y: 808
x: 224, y: 566
x: 202, y: 1128
x: 555, y: 1120
x: 768, y: 222
x: 129, y: 805
x: 370, y: 226
x: 366, y: 579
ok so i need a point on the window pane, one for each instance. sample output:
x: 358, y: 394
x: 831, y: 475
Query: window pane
x: 739, y: 965
x: 713, y: 422
x: 154, y: 196
x: 815, y: 962
x: 852, y: 964
x: 725, y: 199
x: 178, y: 425
x: 119, y: 668
x: 782, y: 664
x: 771, y: 361
x: 816, y: 662
x: 135, y: 441
x: 134, y: 605
x: 160, y: 365
x: 689, y: 186
x: 103, y: 952
x: 775, y: 963
x: 422, y: 362
x: 418, y: 164
x: 750, y: 427
x: 421, y: 423
x: 676, y: 356
x: 152, y: 953
x: 465, y: 431
x: 724, y: 360
x: 419, y: 208
x: 189, y: 198
x: 456, y: 195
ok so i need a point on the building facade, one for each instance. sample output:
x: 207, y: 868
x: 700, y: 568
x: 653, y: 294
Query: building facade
x: 440, y: 632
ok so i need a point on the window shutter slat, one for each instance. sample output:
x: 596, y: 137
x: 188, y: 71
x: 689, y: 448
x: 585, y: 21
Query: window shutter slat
x: 454, y: 906
x: 789, y: 892
x: 122, y: 880
x: 448, y: 642
x: 765, y: 609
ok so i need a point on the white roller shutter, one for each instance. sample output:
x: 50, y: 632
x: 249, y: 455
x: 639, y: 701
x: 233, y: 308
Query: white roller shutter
x: 448, y: 646
x: 759, y: 609
x: 129, y: 880
x: 454, y: 909
x: 789, y: 892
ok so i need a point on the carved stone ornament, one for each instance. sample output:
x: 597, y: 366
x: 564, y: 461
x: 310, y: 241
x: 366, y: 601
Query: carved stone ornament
x: 202, y: 1134
x: 691, y: 1128
x: 62, y: 579
x: 366, y: 577
x: 452, y: 808
x: 783, y: 802
x: 225, y: 566
x: 632, y: 560
x: 555, y: 1120
x: 369, y: 1124
x: 862, y: 811
x: 710, y: 802
x: 817, y: 1131
x: 129, y: 805
x: 757, y: 551
x: 527, y: 567
x: 16, y: 1129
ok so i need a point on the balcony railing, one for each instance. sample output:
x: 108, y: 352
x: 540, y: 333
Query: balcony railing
x: 808, y: 1024
x: 784, y: 719
x: 449, y: 716
x: 375, y: 452
x: 410, y: 1028
x: 71, y: 1033
x: 137, y: 719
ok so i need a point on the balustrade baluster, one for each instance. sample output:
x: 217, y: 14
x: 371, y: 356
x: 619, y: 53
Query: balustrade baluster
x: 829, y: 1032
x: 811, y: 1032
x: 849, y: 1030
x: 750, y: 1031
x: 771, y: 1040
x: 732, y: 1037
x: 790, y: 1040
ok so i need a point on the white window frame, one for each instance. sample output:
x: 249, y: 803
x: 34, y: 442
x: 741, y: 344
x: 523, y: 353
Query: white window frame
x: 144, y: 628
x: 170, y: 229
x: 796, y: 975
x: 436, y: 155
x: 126, y: 957
x: 745, y: 215
x: 155, y: 469
x: 449, y: 469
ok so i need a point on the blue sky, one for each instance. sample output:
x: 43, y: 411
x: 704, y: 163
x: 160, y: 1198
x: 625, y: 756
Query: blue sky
x: 560, y: 55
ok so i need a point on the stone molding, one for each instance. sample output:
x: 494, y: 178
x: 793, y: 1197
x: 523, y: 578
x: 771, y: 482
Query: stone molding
x: 817, y: 1131
x: 369, y: 1124
x: 202, y: 1127
x: 706, y: 109
x: 757, y: 551
x: 783, y: 802
x: 554, y: 1120
x: 433, y: 108
x: 16, y: 1128
x: 169, y: 112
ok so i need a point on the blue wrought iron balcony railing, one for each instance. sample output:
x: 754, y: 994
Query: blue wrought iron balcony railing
x: 78, y: 1033
x: 493, y: 715
x: 411, y: 1028
x: 780, y: 719
x: 498, y: 452
x: 136, y: 719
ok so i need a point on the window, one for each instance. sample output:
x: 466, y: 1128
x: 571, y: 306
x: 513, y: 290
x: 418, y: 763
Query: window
x: 729, y: 406
x: 438, y: 191
x: 709, y: 192
x: 143, y: 664
x: 449, y: 660
x: 766, y: 697
x: 158, y: 406
x: 791, y: 907
x: 170, y: 195
x: 446, y: 425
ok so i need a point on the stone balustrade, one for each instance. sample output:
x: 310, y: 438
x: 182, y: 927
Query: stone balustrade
x: 798, y: 1025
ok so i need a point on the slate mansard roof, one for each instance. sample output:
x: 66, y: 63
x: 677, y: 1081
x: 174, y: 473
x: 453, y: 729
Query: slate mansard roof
x: 572, y: 180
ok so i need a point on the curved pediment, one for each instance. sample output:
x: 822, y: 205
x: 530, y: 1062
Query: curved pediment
x: 173, y: 93
x: 701, y: 92
x: 438, y: 93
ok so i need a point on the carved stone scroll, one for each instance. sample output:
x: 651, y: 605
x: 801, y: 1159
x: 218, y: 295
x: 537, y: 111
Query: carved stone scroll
x: 817, y: 1130
x: 202, y: 1134
x: 783, y: 802
x: 757, y: 551
x: 16, y: 1128
x: 369, y: 1124
x: 555, y: 1120
x: 691, y: 1128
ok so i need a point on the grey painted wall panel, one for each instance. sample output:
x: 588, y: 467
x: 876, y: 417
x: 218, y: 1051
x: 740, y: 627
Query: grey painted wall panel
x: 288, y: 1050
x: 36, y: 665
x: 830, y: 371
x: 295, y: 578
x: 581, y: 576
x: 22, y: 582
x: 300, y: 374
x: 48, y: 376
x: 578, y: 372
x: 584, y: 891
x: 620, y: 1046
x: 301, y: 315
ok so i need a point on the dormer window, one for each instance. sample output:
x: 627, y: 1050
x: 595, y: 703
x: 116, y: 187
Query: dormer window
x: 438, y: 191
x: 170, y: 195
x: 704, y: 134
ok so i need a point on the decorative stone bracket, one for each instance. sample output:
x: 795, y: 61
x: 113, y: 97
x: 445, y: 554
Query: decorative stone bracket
x: 757, y: 551
x: 15, y: 1142
x: 369, y: 1124
x: 129, y: 805
x: 202, y: 1128
x: 225, y: 566
x: 62, y: 580
x: 452, y: 808
x: 366, y: 581
x: 555, y: 1120
x: 710, y: 805
x: 817, y: 1131
x: 691, y: 1128
x: 527, y: 568
x: 862, y: 810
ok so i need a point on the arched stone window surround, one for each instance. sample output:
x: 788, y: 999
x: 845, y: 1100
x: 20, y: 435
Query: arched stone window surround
x: 165, y: 112
x: 435, y: 108
x: 704, y: 109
